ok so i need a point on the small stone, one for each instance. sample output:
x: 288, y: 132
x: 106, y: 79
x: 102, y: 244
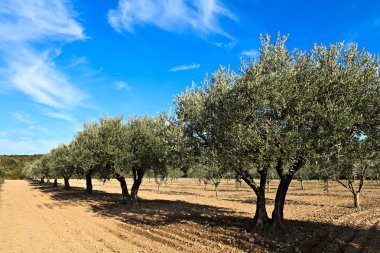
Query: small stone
x: 252, y: 239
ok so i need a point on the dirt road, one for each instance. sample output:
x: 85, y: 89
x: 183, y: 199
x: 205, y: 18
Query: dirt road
x: 181, y: 217
x: 31, y: 221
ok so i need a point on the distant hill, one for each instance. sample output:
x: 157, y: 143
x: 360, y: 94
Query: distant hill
x: 11, y: 166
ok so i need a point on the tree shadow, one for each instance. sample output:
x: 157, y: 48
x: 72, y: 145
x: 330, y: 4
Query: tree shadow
x: 305, y: 194
x: 166, y: 192
x: 222, y: 225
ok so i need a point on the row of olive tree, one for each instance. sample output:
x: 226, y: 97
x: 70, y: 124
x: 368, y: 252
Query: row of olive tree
x: 111, y: 148
x: 287, y: 111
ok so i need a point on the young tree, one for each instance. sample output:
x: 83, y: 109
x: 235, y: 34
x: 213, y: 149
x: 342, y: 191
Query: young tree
x: 174, y: 174
x: 212, y: 170
x: 304, y: 174
x: 355, y: 164
x: 160, y: 178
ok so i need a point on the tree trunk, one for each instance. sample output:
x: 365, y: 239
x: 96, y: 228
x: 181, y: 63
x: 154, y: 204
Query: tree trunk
x: 261, y: 219
x: 67, y: 184
x: 55, y: 184
x: 356, y: 200
x: 326, y: 185
x: 301, y: 184
x: 138, y: 175
x: 89, y: 182
x: 216, y: 190
x: 268, y: 186
x: 278, y: 224
x: 42, y: 180
x: 124, y: 188
x: 135, y: 188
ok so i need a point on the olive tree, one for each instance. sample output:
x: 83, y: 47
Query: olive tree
x: 146, y: 149
x: 61, y: 162
x: 283, y: 112
x: 85, y: 152
x: 113, y: 147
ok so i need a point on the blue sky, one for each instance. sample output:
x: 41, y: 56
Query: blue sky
x: 64, y: 62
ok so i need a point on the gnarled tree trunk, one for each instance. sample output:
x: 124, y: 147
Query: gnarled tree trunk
x: 261, y: 219
x: 278, y: 224
x: 138, y: 175
x: 66, y: 182
x: 124, y: 188
x: 89, y: 182
x: 55, y: 184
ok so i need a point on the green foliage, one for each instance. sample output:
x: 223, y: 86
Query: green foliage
x: 289, y: 106
x: 13, y: 166
x: 61, y: 162
x: 146, y: 149
x: 86, y: 148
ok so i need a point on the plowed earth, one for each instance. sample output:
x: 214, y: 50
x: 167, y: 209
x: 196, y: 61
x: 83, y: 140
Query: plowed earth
x: 182, y: 217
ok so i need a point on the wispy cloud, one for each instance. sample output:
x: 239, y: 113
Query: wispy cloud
x: 121, y: 85
x: 185, y: 67
x: 62, y: 116
x: 22, y: 117
x: 199, y: 15
x: 253, y: 53
x: 230, y: 44
x: 30, y: 68
x: 78, y: 61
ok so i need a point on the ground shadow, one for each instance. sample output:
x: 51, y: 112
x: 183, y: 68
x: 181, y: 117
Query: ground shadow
x: 224, y: 225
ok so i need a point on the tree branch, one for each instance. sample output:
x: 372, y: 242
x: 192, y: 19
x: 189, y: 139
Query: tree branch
x: 279, y: 169
x: 344, y: 185
x: 248, y: 179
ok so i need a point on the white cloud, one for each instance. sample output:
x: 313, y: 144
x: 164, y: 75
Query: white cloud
x: 121, y: 85
x: 253, y: 53
x: 62, y: 116
x: 229, y: 45
x: 37, y: 76
x: 185, y: 67
x: 28, y: 67
x: 25, y: 118
x: 175, y: 15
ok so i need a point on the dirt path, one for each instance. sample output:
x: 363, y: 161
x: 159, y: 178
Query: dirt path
x: 181, y: 217
x: 31, y: 222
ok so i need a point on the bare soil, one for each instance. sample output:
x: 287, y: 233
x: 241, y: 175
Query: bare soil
x: 182, y: 217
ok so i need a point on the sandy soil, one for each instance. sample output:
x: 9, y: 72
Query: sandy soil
x: 182, y: 217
